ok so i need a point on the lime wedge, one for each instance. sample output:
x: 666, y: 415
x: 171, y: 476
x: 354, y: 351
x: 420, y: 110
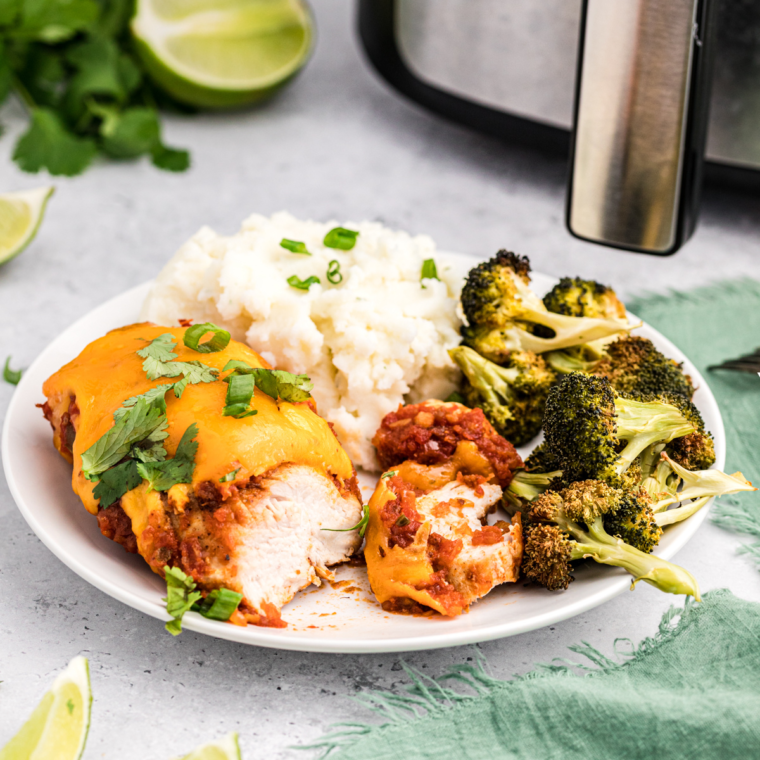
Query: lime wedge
x: 225, y: 749
x: 57, y: 729
x: 20, y: 216
x: 222, y: 53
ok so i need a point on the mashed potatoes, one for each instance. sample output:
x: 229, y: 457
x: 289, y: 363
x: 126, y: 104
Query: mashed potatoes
x: 374, y: 340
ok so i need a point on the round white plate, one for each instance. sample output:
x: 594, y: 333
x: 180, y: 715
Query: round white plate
x: 338, y: 617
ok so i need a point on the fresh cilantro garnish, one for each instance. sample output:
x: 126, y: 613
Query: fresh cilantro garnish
x: 182, y: 596
x: 72, y: 65
x: 12, y: 376
x: 230, y: 476
x: 159, y: 356
x: 361, y: 526
x: 296, y: 282
x: 333, y: 272
x: 389, y: 474
x: 161, y: 476
x: 155, y: 397
x: 276, y: 383
x: 294, y: 246
x: 429, y: 271
x: 117, y: 481
x: 144, y: 422
x: 341, y: 238
x: 218, y: 342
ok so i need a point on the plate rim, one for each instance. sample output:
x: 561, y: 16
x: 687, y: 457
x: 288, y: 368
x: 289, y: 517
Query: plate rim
x: 257, y: 636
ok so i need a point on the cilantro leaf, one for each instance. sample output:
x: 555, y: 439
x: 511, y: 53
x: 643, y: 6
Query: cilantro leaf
x: 115, y: 482
x: 180, y: 597
x: 48, y: 144
x: 143, y: 421
x: 159, y: 350
x: 53, y: 21
x: 154, y: 397
x: 131, y: 133
x: 361, y: 526
x: 170, y: 159
x: 161, y: 476
x: 96, y: 61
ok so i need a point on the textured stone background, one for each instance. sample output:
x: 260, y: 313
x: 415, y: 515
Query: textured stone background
x: 337, y: 144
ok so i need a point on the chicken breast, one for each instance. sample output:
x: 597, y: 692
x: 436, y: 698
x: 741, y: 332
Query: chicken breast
x: 428, y: 541
x: 254, y: 502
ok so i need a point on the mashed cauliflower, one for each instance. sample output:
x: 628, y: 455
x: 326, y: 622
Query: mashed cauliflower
x: 375, y: 340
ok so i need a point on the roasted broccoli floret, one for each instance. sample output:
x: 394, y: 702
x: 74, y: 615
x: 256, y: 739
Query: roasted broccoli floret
x: 595, y: 434
x: 695, y: 451
x: 541, y: 460
x: 502, y: 313
x: 568, y: 525
x: 575, y: 297
x: 634, y: 367
x: 525, y: 487
x: 512, y: 397
x: 634, y: 521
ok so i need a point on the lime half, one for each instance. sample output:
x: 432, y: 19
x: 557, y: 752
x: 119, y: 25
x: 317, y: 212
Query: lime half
x: 222, y: 53
x: 225, y: 749
x: 20, y: 216
x: 57, y: 729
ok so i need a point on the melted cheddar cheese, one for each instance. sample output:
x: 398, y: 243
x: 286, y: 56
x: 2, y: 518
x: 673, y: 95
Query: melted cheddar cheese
x: 109, y: 371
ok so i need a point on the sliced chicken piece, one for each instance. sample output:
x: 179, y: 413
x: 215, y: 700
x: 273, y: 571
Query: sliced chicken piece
x: 265, y: 539
x: 435, y: 549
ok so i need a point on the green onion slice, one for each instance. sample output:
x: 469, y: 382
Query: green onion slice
x: 230, y: 476
x: 218, y: 342
x: 341, y: 238
x: 294, y: 246
x: 333, y: 272
x: 12, y: 376
x: 219, y: 604
x: 295, y: 282
x: 429, y: 270
x: 239, y: 394
x: 389, y: 474
x: 403, y: 520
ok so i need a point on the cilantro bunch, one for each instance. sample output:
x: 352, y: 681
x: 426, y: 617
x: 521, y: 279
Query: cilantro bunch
x: 70, y: 63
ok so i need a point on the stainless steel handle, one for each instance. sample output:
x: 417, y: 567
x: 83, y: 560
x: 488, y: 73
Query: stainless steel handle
x: 635, y: 139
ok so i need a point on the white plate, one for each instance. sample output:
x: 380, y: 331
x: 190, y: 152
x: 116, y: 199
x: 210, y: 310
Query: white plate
x: 345, y: 618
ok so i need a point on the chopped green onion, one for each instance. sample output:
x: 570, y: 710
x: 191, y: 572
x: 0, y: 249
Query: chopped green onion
x: 403, y: 520
x: 230, y: 476
x: 340, y: 237
x: 295, y: 282
x: 361, y: 526
x: 456, y: 397
x: 236, y: 364
x: 239, y: 394
x: 10, y: 375
x: 429, y: 271
x: 389, y: 474
x: 219, y: 604
x: 294, y: 246
x: 219, y: 342
x: 333, y: 272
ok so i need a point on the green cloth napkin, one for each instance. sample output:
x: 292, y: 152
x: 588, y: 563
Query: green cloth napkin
x: 691, y: 691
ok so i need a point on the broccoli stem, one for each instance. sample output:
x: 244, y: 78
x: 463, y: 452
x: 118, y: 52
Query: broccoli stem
x: 598, y: 545
x: 681, y: 513
x: 642, y: 428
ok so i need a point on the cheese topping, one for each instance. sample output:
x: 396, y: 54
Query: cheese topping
x: 109, y: 371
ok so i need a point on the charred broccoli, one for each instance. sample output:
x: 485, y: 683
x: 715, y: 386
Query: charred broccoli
x: 512, y: 397
x: 634, y: 366
x: 575, y: 297
x: 502, y: 313
x: 525, y: 487
x: 569, y: 525
x: 541, y: 460
x: 634, y: 521
x: 595, y: 434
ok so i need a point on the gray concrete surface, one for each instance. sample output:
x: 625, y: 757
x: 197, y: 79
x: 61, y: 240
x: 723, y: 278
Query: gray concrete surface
x: 338, y: 143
